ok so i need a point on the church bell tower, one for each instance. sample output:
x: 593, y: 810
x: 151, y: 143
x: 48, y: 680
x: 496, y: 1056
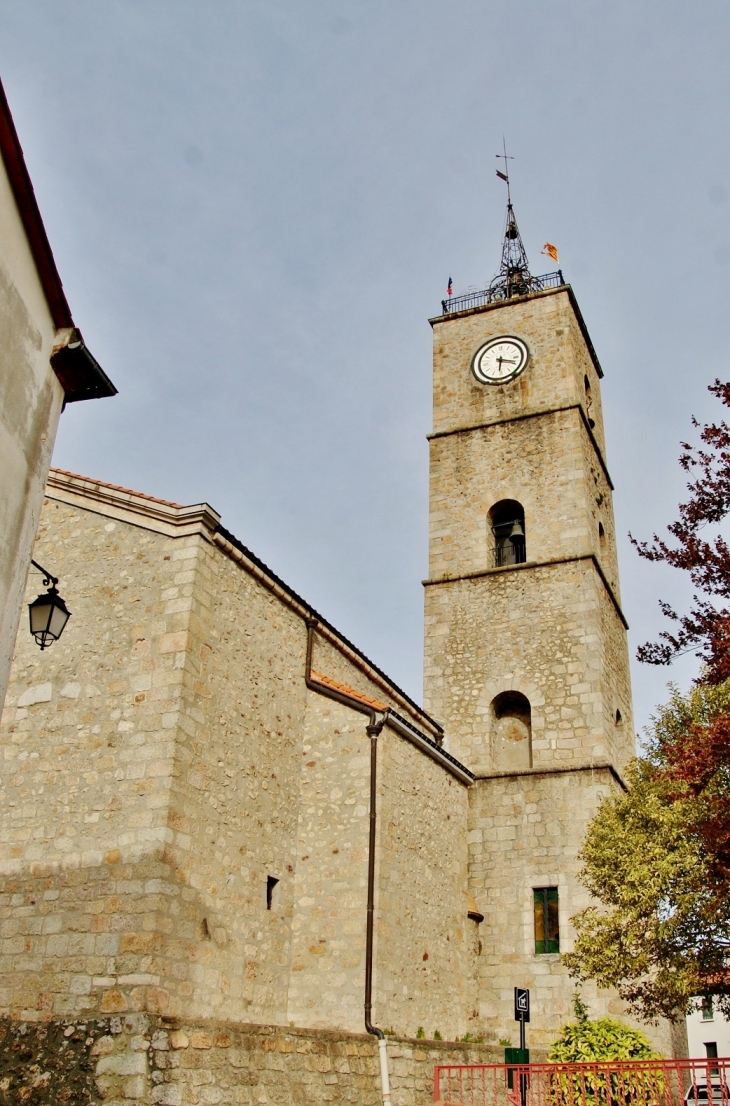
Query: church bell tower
x: 526, y: 659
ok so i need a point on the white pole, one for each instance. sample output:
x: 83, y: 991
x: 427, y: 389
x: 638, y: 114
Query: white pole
x: 385, y: 1082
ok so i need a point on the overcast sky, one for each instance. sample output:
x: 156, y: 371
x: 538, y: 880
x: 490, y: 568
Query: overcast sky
x: 255, y: 206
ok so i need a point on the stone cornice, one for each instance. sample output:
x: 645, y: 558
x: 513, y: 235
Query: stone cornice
x: 532, y: 415
x: 600, y: 766
x: 527, y: 566
x: 138, y: 509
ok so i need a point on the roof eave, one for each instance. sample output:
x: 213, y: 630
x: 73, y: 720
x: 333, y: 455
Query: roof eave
x: 80, y: 374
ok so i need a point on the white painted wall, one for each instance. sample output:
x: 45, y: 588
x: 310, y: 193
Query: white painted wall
x: 31, y: 398
x: 701, y: 1030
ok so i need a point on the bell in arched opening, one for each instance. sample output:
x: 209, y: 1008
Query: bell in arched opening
x: 507, y: 519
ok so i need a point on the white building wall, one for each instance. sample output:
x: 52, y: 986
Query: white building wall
x: 703, y: 1030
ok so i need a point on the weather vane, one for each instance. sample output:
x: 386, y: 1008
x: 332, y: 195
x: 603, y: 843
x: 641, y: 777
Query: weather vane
x: 514, y: 278
x: 505, y: 175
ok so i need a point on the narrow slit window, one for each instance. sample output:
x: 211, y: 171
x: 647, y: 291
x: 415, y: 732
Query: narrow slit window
x: 271, y: 882
x: 547, y: 927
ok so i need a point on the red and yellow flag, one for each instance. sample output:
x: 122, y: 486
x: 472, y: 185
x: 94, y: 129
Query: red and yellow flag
x: 551, y: 251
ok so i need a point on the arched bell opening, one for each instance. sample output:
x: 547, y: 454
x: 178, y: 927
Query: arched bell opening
x: 507, y: 520
x: 511, y: 725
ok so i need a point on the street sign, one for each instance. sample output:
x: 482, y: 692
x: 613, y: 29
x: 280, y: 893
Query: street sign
x: 522, y: 1004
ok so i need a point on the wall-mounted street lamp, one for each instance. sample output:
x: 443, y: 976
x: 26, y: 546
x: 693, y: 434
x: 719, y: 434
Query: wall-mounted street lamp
x: 48, y: 613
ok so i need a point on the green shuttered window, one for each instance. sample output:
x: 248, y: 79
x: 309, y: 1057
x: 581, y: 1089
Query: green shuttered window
x: 547, y: 926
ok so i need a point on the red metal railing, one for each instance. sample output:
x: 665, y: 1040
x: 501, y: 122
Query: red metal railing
x: 612, y: 1083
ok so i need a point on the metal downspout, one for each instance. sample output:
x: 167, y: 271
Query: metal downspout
x: 373, y: 733
x: 375, y: 725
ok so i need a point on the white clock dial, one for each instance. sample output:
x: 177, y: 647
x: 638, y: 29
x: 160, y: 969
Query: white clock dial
x: 500, y: 360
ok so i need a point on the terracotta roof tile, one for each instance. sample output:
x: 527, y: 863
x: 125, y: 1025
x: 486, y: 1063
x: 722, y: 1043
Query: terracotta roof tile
x: 116, y: 487
x: 319, y: 678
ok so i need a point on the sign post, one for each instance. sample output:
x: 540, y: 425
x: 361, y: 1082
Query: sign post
x: 522, y: 1011
x: 520, y: 1055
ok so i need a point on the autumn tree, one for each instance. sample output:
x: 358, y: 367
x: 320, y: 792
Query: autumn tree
x: 657, y: 859
x: 661, y: 933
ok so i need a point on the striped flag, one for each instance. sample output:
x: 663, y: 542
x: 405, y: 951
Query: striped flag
x: 450, y: 287
x: 551, y: 251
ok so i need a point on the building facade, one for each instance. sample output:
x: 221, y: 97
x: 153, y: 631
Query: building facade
x: 218, y: 815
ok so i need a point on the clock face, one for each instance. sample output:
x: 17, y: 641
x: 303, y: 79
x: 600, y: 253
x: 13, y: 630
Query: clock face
x: 500, y: 360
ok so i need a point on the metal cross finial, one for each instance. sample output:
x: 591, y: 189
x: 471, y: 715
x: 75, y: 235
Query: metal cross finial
x: 505, y: 175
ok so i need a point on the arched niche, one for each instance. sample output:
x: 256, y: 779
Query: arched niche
x: 511, y: 728
x: 507, y: 522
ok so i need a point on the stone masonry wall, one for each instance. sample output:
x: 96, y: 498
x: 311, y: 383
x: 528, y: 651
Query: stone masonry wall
x: 423, y: 948
x: 234, y: 795
x: 165, y: 759
x: 532, y: 630
x: 526, y: 832
x: 423, y: 973
x: 147, y: 1060
x: 543, y: 464
x: 330, y: 883
x: 553, y: 378
x: 86, y: 763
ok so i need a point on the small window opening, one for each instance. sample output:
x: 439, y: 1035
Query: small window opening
x: 707, y: 1009
x: 511, y: 726
x: 507, y: 519
x: 589, y: 402
x: 601, y: 538
x: 711, y: 1054
x: 271, y: 882
x: 618, y: 718
x: 204, y: 930
x: 547, y: 928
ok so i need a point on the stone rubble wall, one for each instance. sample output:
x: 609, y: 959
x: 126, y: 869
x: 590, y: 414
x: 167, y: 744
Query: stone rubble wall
x: 538, y: 631
x: 153, y: 1061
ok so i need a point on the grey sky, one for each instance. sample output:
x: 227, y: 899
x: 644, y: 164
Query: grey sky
x: 255, y: 206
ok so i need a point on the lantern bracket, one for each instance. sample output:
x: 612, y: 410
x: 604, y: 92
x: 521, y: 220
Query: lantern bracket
x: 48, y: 580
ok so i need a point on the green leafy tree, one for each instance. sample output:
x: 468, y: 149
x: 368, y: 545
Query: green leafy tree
x: 662, y: 932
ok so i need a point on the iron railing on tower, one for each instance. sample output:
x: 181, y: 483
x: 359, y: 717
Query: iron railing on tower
x: 497, y: 291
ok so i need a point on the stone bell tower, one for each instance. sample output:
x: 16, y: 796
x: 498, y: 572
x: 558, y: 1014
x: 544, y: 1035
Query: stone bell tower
x: 526, y: 659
